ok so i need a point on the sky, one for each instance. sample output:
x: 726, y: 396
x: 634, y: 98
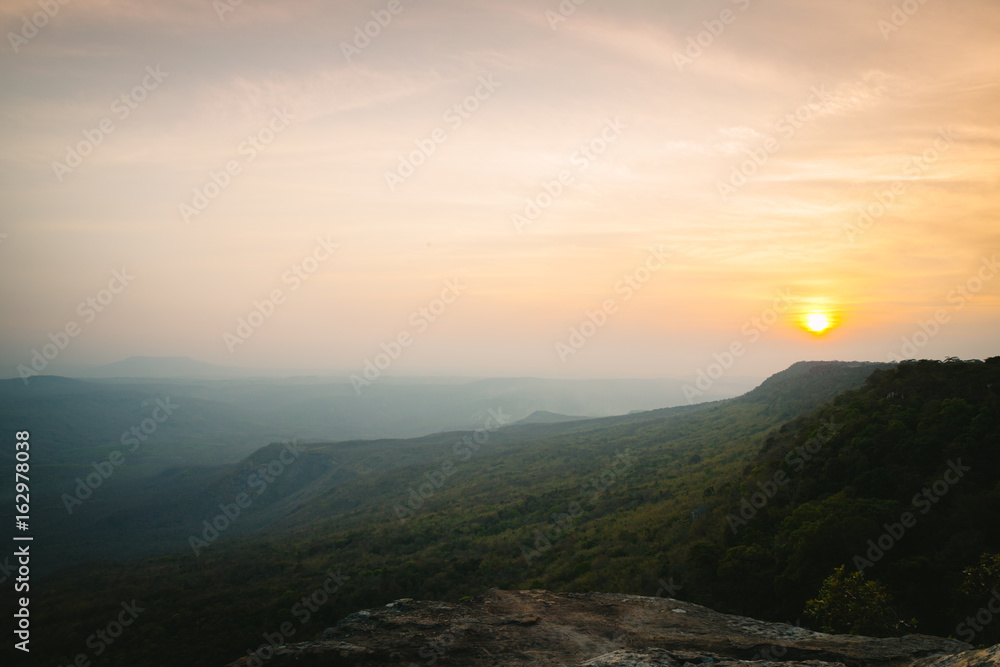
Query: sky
x: 499, y: 188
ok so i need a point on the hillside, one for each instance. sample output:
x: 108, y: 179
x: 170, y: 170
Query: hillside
x: 187, y: 459
x: 918, y: 444
x: 545, y: 417
x: 583, y: 505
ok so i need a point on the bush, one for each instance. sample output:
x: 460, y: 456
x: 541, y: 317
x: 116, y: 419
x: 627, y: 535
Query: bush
x: 848, y: 604
x: 979, y: 580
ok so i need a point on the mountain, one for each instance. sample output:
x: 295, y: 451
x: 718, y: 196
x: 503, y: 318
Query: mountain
x: 898, y: 479
x: 163, y: 367
x: 595, y: 504
x: 76, y: 422
x: 545, y: 417
x: 159, y: 368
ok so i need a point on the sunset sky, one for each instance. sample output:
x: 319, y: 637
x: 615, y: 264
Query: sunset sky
x: 625, y: 123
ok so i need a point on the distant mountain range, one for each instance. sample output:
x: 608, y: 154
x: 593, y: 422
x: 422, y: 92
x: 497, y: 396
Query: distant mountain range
x: 747, y: 505
x: 162, y: 368
x: 186, y: 368
x: 435, y: 517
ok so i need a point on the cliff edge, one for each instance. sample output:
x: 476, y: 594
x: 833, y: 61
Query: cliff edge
x: 539, y: 628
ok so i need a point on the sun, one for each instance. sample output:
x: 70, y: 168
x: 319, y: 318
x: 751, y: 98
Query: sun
x: 819, y: 316
x: 818, y: 323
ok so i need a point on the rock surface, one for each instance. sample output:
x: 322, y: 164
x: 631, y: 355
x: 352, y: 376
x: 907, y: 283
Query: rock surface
x: 539, y: 628
x: 660, y: 658
x: 989, y: 656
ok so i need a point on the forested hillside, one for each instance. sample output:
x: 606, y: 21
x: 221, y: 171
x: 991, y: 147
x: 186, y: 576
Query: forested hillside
x: 648, y: 504
x: 899, y: 479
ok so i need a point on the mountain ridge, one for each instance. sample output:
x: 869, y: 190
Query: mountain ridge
x: 475, y: 522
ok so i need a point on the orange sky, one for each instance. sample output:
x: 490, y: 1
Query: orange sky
x: 626, y: 125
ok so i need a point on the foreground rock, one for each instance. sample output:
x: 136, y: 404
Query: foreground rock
x: 539, y: 628
x: 990, y: 656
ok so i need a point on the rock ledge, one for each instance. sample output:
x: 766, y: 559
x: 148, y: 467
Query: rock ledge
x: 540, y: 628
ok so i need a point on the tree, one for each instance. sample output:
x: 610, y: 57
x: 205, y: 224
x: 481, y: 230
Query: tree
x: 980, y: 579
x: 848, y: 604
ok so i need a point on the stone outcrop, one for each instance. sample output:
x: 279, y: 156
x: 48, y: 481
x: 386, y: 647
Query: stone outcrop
x: 990, y: 656
x: 540, y: 628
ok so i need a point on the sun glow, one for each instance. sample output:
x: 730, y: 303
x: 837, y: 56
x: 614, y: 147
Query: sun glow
x: 817, y: 323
